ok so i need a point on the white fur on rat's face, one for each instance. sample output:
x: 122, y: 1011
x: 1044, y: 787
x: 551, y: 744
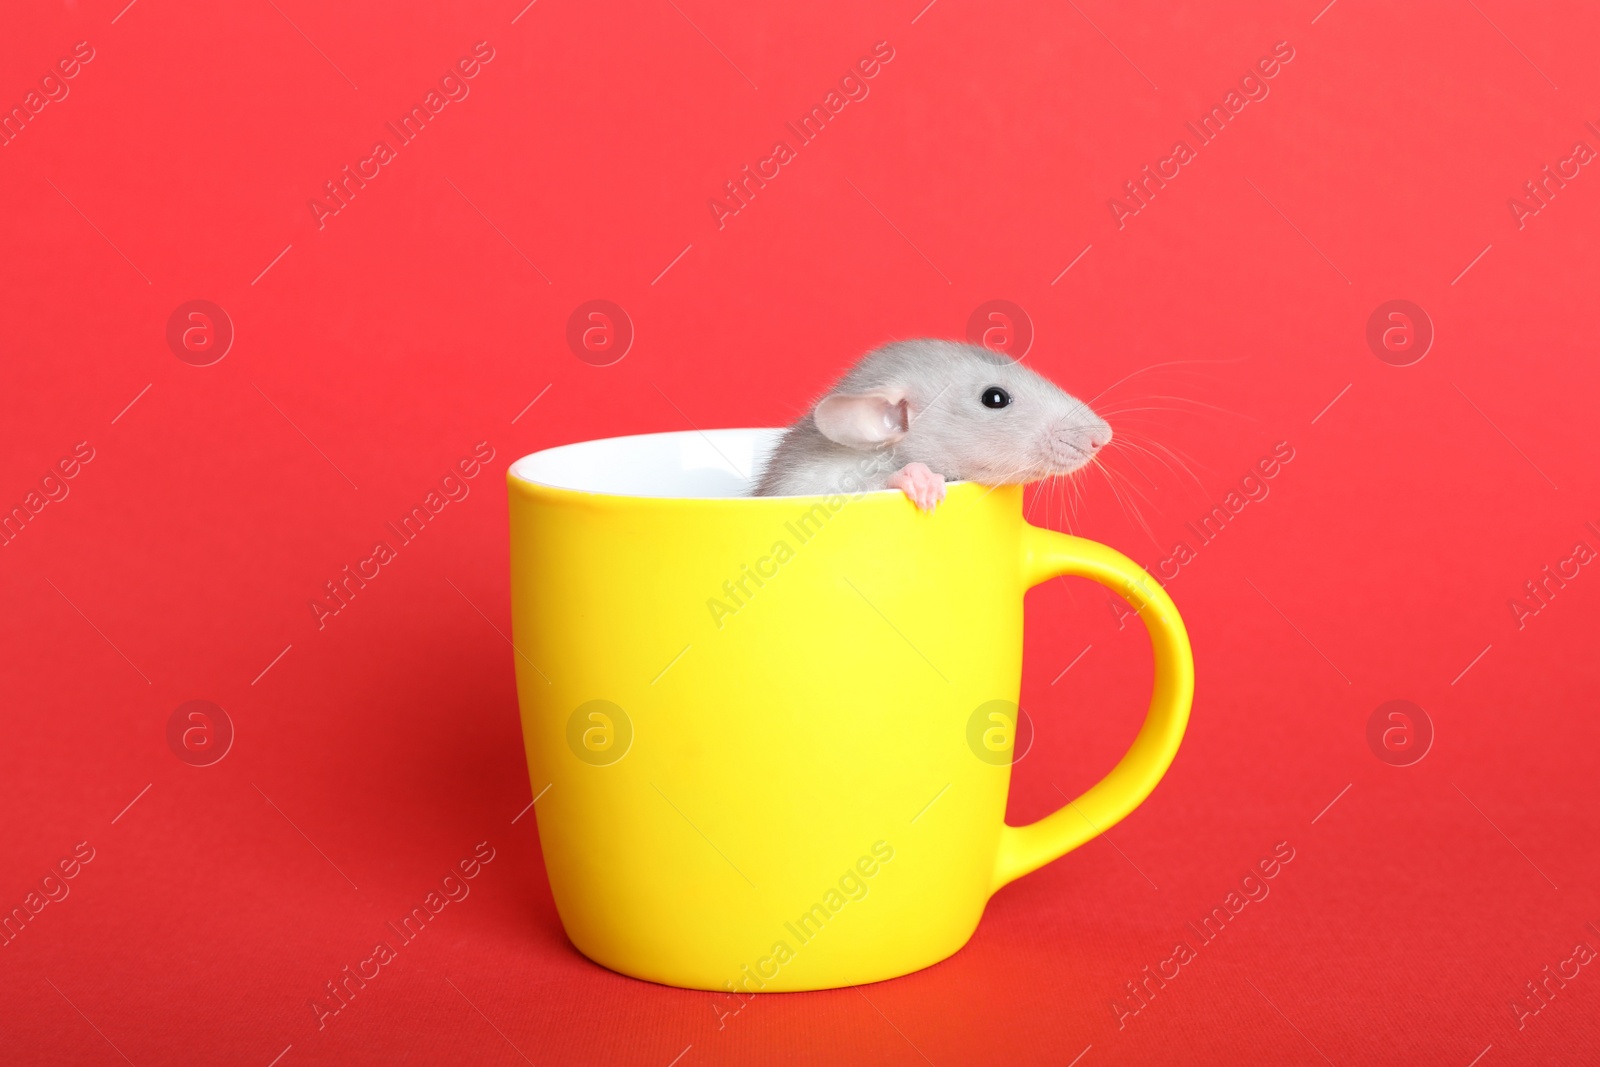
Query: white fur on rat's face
x: 994, y: 421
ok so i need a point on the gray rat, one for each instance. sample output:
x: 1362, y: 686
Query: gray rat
x: 921, y: 412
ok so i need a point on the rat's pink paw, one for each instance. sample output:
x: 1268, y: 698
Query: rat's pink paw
x: 924, y: 487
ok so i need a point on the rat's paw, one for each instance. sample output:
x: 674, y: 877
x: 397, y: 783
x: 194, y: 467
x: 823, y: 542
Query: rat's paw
x: 921, y: 485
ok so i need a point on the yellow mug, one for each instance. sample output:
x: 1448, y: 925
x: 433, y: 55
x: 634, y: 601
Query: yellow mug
x: 770, y: 738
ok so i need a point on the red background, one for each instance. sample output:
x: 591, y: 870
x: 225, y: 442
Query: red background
x: 380, y: 348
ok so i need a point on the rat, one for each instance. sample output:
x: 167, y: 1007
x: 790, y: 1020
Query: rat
x: 927, y: 411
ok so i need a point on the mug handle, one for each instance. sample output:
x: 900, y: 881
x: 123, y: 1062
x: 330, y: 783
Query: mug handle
x: 1045, y: 555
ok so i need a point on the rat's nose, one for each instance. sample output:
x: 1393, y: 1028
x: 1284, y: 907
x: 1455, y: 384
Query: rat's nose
x: 1099, y: 437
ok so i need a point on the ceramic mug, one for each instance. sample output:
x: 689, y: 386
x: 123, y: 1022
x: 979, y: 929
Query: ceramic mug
x: 770, y: 738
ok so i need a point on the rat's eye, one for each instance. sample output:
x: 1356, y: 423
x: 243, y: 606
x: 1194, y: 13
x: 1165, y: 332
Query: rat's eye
x: 995, y: 397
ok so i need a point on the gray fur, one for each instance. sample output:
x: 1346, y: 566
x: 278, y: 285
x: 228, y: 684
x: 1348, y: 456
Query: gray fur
x: 1042, y: 433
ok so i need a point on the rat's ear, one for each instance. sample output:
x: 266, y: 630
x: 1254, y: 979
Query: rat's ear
x: 862, y: 421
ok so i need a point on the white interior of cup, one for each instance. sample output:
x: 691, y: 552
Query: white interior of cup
x: 692, y: 464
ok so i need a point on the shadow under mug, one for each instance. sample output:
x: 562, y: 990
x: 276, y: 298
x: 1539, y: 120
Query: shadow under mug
x: 770, y: 738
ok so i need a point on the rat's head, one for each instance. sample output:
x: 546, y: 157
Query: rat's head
x: 964, y: 411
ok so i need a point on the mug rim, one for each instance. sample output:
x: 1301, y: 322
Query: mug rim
x: 759, y: 440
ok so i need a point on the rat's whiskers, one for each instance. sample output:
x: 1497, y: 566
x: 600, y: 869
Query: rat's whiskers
x: 1136, y: 515
x: 1184, y: 400
x: 1159, y: 366
x: 1178, y: 463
